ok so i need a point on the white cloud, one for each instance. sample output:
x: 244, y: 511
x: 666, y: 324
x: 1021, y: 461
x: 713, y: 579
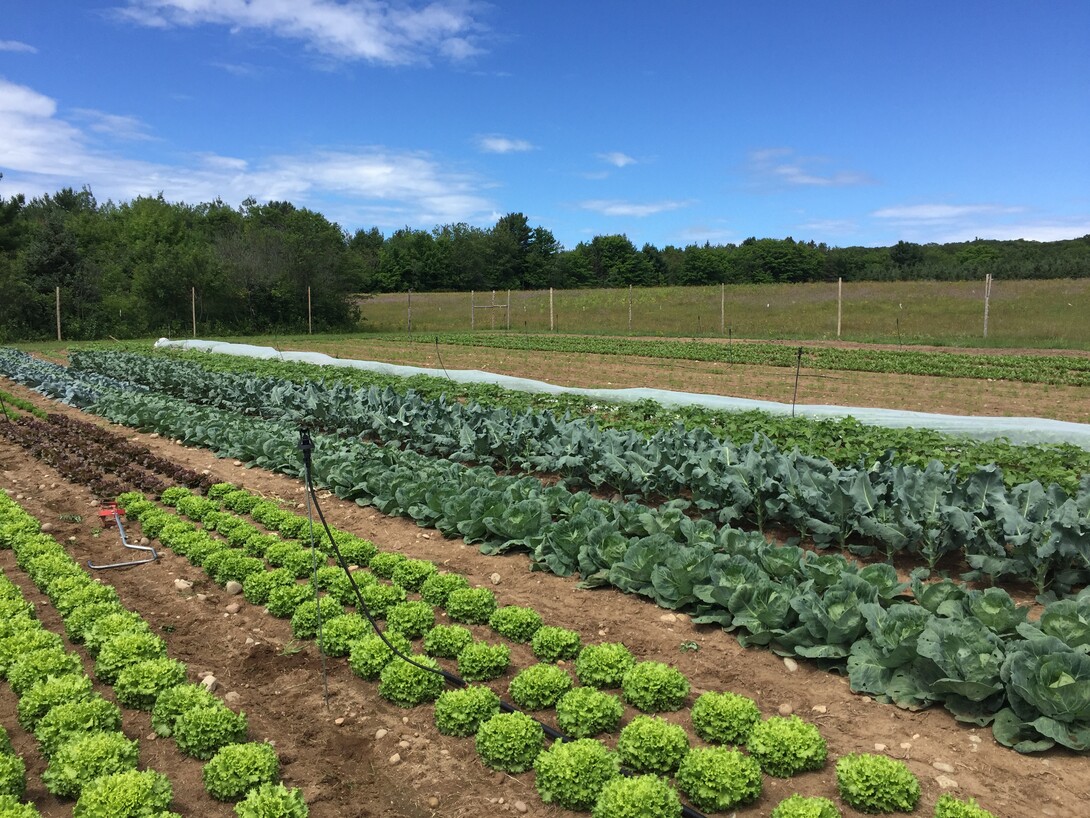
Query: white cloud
x: 40, y: 152
x: 495, y: 143
x: 1030, y: 231
x: 616, y: 158
x: 940, y: 212
x: 115, y: 125
x: 700, y: 233
x: 616, y: 207
x: 380, y: 31
x: 784, y: 167
x: 15, y: 45
x: 819, y: 228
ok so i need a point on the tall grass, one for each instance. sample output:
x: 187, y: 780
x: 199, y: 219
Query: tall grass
x: 1050, y: 313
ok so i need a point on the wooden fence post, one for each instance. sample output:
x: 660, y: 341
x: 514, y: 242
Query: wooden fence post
x: 839, y: 299
x: 58, y: 313
x: 552, y: 323
x: 310, y: 314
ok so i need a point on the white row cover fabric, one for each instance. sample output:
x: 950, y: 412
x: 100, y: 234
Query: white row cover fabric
x: 1016, y: 429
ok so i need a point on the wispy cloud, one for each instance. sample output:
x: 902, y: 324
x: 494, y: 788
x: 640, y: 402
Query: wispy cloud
x: 239, y: 69
x: 16, y: 46
x: 700, y: 233
x: 129, y: 128
x: 617, y: 207
x: 616, y: 158
x: 943, y: 222
x: 821, y: 228
x: 495, y: 143
x: 940, y: 212
x: 40, y: 151
x: 784, y: 167
x: 379, y: 31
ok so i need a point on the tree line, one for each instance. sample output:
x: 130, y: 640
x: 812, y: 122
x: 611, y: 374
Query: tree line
x: 129, y: 269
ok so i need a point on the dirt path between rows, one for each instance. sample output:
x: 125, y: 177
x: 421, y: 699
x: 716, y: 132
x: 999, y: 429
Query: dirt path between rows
x: 345, y: 770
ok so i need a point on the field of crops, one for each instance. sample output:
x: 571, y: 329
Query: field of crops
x: 739, y: 617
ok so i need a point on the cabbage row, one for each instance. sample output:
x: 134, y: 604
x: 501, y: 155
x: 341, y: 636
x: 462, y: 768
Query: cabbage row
x: 1027, y: 533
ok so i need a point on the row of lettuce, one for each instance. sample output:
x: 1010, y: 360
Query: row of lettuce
x: 844, y: 441
x: 79, y: 731
x: 1030, y: 680
x: 580, y: 773
x: 935, y: 515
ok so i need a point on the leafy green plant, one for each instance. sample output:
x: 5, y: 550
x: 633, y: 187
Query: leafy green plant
x: 175, y: 701
x: 447, y: 641
x: 384, y: 563
x: 84, y: 758
x: 12, y: 775
x: 438, y: 587
x: 724, y: 718
x: 800, y: 806
x: 356, y: 551
x: 201, y: 731
x: 110, y: 626
x: 584, y: 712
x: 654, y: 686
x: 37, y: 665
x: 473, y: 606
x: 257, y: 587
x: 408, y: 685
x: 460, y: 712
x: 73, y: 719
x: 603, y: 665
x: 11, y: 807
x: 876, y: 783
x: 47, y: 694
x: 282, y: 600
x: 129, y: 794
x: 241, y: 501
x: 539, y: 686
x: 233, y: 566
x: 573, y: 774
x: 140, y: 684
x: 516, y: 623
x: 339, y: 633
x: 510, y: 742
x: 19, y: 644
x: 551, y: 644
x: 172, y: 495
x: 380, y: 598
x: 413, y: 619
x: 637, y: 796
x: 716, y: 779
x: 950, y: 807
x: 480, y: 661
x: 127, y: 649
x: 236, y: 769
x: 650, y: 744
x: 83, y: 618
x: 292, y: 557
x: 304, y: 622
x: 272, y: 801
x: 784, y: 746
x: 369, y: 654
x: 412, y: 574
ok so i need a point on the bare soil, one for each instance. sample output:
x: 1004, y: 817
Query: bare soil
x: 345, y: 770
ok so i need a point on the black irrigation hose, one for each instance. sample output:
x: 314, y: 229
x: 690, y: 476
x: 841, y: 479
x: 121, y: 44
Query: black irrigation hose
x: 306, y: 446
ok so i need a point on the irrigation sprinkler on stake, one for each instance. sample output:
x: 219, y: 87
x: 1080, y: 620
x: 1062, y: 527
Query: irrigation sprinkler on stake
x: 111, y: 513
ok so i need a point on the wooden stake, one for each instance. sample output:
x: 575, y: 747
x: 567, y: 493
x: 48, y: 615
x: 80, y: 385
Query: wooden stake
x: 722, y: 308
x: 310, y: 315
x: 472, y: 306
x: 508, y: 310
x: 839, y: 301
x: 193, y: 308
x: 409, y: 317
x: 58, y: 313
x: 629, y: 309
x: 552, y: 322
x: 987, y: 300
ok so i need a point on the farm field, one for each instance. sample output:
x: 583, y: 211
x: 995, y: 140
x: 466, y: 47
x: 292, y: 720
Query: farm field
x: 345, y: 769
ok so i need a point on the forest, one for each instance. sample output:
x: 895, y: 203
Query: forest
x: 142, y: 267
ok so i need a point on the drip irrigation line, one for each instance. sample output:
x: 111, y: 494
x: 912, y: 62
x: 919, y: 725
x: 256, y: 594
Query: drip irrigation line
x: 306, y: 446
x: 440, y: 357
x: 317, y: 601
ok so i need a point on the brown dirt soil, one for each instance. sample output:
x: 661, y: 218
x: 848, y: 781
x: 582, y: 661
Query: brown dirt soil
x: 344, y: 769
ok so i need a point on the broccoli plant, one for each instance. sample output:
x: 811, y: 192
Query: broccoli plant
x: 584, y: 712
x: 649, y: 744
x: 573, y: 774
x: 716, y: 779
x: 786, y: 746
x: 876, y: 783
x: 236, y: 769
x: 510, y: 742
x: 460, y: 712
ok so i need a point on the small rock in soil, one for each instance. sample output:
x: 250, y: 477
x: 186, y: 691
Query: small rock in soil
x: 942, y: 766
x: 183, y: 584
x: 201, y: 597
x: 906, y: 745
x: 520, y: 806
x: 946, y: 782
x: 233, y: 608
x: 210, y: 682
x: 233, y: 588
x: 495, y: 578
x: 232, y: 698
x: 433, y: 802
x: 339, y: 721
x: 668, y: 618
x: 145, y: 541
x: 47, y: 527
x: 790, y: 664
x: 785, y: 709
x: 881, y: 748
x: 819, y: 708
x: 380, y: 733
x: 395, y: 758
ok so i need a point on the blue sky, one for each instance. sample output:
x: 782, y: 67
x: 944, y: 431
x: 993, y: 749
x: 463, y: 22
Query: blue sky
x: 673, y: 123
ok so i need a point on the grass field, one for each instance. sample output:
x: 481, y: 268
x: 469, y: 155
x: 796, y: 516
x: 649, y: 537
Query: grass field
x: 1022, y: 313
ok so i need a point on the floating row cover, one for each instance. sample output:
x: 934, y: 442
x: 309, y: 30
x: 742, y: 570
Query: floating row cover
x: 1017, y: 430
